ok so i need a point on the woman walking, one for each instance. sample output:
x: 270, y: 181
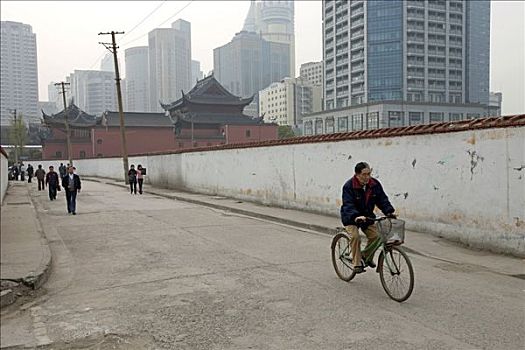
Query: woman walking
x: 140, y: 177
x: 132, y: 177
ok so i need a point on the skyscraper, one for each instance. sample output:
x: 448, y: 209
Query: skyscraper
x: 415, y: 50
x: 249, y: 63
x: 19, y: 72
x: 107, y: 63
x: 196, y: 73
x: 93, y: 91
x: 137, y: 80
x: 274, y: 20
x: 169, y: 63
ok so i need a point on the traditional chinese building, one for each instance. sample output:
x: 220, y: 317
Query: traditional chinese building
x: 54, y: 143
x: 208, y: 115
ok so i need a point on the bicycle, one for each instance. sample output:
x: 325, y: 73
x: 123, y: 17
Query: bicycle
x: 393, y: 265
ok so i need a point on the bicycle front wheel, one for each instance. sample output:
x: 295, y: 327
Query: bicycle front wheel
x: 396, y: 273
x: 341, y: 257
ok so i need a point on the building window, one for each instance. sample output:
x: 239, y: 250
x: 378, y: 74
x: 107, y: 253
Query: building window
x: 82, y: 154
x: 329, y: 125
x: 308, y: 128
x: 318, y: 126
x: 453, y: 117
x: 415, y: 118
x: 99, y: 141
x: 395, y: 119
x: 58, y: 154
x: 372, y: 120
x: 357, y: 122
x: 472, y: 115
x: 248, y: 133
x: 436, y: 117
x: 342, y: 124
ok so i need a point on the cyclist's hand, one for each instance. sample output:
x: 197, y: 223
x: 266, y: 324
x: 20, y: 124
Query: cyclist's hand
x: 360, y: 219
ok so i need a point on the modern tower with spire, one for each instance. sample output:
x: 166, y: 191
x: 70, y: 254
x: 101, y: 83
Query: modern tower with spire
x: 274, y: 20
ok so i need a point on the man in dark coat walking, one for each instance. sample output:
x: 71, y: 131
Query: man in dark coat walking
x: 40, y: 175
x: 52, y: 183
x: 72, y: 185
x: 30, y: 171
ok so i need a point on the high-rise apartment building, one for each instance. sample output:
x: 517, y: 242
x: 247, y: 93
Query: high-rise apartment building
x: 274, y: 21
x: 287, y: 101
x: 137, y: 79
x: 433, y: 51
x: 92, y: 91
x: 169, y: 63
x: 19, y: 72
x: 107, y: 64
x: 313, y: 72
x: 196, y: 73
x: 250, y: 63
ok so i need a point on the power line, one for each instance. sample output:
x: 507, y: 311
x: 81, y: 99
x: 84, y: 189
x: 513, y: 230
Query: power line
x: 175, y: 14
x: 135, y: 27
x: 145, y: 18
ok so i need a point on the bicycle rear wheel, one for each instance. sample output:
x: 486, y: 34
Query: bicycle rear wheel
x: 341, y: 257
x: 396, y: 273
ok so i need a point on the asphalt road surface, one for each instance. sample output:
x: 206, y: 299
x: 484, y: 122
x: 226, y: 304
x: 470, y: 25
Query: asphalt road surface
x: 146, y: 272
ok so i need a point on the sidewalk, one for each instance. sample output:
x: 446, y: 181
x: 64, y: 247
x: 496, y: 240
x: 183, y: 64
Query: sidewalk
x: 416, y: 243
x: 25, y: 255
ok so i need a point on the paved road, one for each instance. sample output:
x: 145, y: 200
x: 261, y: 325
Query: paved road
x: 146, y: 272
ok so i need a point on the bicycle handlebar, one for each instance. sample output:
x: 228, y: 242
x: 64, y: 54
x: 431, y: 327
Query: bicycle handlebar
x: 381, y: 218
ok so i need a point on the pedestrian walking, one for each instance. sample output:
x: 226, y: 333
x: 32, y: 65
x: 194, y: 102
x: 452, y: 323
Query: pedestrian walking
x: 140, y: 176
x: 40, y: 175
x: 62, y: 170
x: 52, y: 183
x: 22, y: 171
x: 30, y: 171
x: 132, y: 176
x: 16, y: 170
x: 72, y: 185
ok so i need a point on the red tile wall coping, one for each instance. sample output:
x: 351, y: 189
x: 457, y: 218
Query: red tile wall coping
x: 438, y: 128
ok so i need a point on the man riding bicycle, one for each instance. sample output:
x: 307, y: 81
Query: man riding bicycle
x: 361, y: 194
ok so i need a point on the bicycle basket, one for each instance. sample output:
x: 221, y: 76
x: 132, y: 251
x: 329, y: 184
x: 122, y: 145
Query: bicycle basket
x: 392, y: 230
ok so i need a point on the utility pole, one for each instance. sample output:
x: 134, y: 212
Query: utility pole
x: 112, y: 47
x: 66, y: 122
x: 17, y: 137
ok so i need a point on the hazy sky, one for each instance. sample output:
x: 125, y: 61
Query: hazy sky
x: 67, y: 37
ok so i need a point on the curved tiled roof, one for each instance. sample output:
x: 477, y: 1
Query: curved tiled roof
x: 438, y: 128
x: 76, y: 117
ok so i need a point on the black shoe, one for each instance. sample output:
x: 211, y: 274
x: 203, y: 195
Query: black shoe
x: 74, y: 213
x: 359, y: 269
x: 371, y: 263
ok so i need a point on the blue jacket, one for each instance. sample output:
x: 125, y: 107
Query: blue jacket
x: 357, y: 202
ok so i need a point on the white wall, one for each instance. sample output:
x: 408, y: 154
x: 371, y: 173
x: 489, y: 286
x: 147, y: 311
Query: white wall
x: 465, y: 186
x: 3, y: 177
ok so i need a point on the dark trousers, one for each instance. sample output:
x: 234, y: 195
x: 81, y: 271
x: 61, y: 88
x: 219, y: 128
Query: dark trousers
x: 29, y: 177
x: 140, y: 185
x: 133, y: 186
x: 71, y: 198
x: 52, y: 192
x: 40, y: 184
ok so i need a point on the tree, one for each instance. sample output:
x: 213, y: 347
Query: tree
x: 18, y: 135
x: 285, y: 132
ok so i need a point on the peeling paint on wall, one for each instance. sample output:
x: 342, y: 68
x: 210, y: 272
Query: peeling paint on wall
x: 474, y: 161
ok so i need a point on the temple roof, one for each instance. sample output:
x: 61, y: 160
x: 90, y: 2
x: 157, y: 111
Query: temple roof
x: 76, y: 117
x: 208, y: 91
x: 135, y: 119
x: 219, y: 118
